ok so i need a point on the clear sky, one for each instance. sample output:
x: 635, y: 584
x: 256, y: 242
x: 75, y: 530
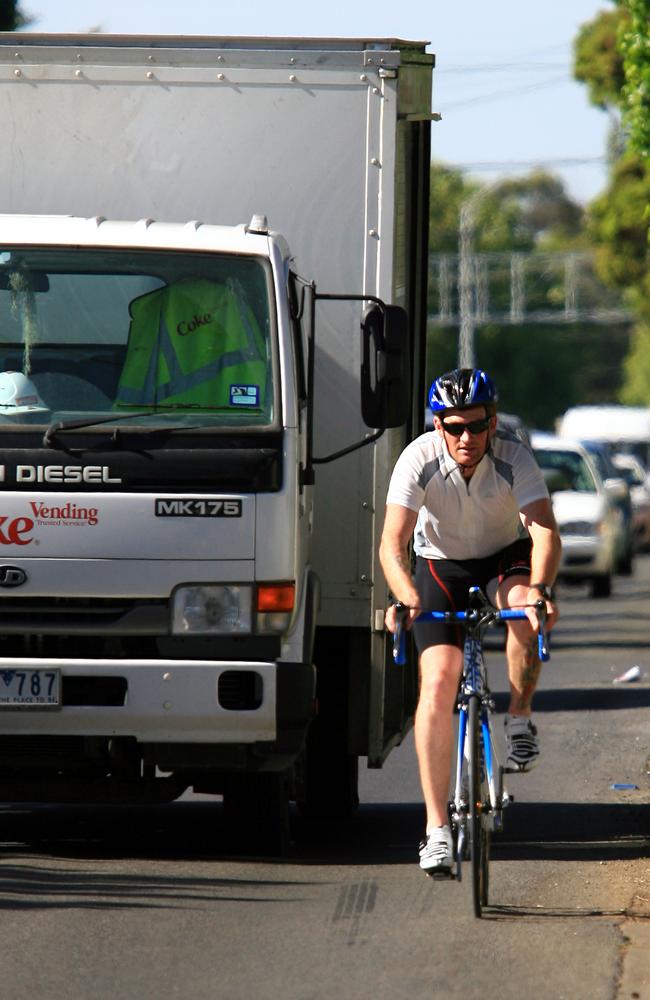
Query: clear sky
x: 503, y: 82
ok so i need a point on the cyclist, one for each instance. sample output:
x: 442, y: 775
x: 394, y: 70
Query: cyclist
x: 475, y: 503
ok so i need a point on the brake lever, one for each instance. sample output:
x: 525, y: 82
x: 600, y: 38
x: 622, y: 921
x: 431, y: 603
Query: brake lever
x: 399, y: 643
x: 542, y: 640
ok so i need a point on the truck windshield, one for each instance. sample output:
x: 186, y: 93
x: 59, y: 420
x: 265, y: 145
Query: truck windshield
x: 176, y: 339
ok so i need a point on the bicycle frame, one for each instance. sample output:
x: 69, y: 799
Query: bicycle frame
x: 479, y: 796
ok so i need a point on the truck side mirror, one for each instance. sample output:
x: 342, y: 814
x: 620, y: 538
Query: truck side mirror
x: 385, y: 400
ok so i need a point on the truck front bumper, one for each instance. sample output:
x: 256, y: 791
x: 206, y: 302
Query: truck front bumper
x: 168, y: 701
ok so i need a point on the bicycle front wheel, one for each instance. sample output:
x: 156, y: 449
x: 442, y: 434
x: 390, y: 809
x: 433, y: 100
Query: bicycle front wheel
x: 479, y: 834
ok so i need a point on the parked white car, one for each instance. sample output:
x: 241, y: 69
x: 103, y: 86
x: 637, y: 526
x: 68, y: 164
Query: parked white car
x: 639, y: 482
x: 588, y: 520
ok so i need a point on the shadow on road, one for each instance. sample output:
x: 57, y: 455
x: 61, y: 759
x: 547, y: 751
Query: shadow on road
x: 388, y: 834
x: 378, y: 834
x: 586, y: 699
x: 64, y: 857
x: 594, y: 831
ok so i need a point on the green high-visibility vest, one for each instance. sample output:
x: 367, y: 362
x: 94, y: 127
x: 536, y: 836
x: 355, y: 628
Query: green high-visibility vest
x: 194, y: 342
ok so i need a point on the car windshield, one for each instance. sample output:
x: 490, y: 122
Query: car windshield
x: 153, y: 338
x: 602, y: 462
x: 565, y: 470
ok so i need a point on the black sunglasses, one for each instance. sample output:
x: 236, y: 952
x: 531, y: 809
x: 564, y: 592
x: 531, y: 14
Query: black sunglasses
x: 474, y: 427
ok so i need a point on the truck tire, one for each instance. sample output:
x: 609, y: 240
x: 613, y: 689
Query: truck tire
x: 256, y: 813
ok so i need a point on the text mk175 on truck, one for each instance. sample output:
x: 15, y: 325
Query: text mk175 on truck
x: 191, y: 495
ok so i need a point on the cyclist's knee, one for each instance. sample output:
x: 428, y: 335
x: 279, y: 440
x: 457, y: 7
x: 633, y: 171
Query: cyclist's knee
x: 440, y: 669
x: 513, y: 592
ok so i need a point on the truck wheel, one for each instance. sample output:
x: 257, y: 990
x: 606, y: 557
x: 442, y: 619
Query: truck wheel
x: 256, y: 813
x: 331, y: 784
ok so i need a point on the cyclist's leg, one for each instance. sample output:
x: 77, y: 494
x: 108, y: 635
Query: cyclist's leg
x: 440, y: 649
x: 512, y: 577
x: 521, y: 648
x: 440, y: 670
x: 523, y: 661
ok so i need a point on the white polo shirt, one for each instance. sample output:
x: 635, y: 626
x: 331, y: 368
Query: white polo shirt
x: 466, y: 519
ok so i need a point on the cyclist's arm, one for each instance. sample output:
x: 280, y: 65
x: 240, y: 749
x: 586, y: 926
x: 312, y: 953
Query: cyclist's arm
x: 399, y: 524
x: 539, y: 521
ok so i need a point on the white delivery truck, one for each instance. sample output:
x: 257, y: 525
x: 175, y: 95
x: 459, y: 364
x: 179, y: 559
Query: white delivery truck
x: 199, y: 416
x: 623, y: 428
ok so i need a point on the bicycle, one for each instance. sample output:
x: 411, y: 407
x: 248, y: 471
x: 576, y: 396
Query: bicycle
x: 476, y: 809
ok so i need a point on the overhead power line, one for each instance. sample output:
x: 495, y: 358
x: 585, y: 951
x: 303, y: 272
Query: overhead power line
x: 509, y: 67
x: 498, y: 95
x: 562, y: 161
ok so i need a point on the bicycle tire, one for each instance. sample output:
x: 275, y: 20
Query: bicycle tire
x: 479, y: 837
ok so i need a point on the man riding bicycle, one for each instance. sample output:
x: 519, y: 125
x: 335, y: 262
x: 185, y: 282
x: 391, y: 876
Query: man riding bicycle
x: 475, y: 503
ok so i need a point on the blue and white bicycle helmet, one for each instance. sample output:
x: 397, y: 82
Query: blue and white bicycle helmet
x: 462, y: 388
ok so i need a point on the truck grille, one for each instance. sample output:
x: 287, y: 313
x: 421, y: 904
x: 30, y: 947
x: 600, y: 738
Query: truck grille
x: 79, y: 616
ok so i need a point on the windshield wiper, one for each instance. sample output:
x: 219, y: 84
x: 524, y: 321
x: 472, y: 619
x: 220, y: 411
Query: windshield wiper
x: 71, y: 425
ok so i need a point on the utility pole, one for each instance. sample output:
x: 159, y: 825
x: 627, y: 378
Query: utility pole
x: 467, y: 278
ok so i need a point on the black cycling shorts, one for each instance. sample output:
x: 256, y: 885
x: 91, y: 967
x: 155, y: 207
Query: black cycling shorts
x: 443, y: 585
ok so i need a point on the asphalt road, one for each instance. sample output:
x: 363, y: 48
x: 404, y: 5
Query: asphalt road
x: 145, y: 903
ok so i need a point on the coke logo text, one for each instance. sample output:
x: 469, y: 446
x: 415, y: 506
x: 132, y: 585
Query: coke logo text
x: 13, y: 532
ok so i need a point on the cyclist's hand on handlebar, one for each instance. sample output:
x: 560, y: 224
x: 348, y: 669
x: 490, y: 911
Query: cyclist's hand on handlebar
x: 552, y: 612
x: 402, y: 613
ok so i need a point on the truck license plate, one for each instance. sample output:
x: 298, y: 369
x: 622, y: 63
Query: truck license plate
x: 30, y: 689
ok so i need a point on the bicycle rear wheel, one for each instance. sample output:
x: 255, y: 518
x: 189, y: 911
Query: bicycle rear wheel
x: 479, y: 834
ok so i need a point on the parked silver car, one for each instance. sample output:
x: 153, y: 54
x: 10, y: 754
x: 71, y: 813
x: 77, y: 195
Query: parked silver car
x: 616, y: 485
x: 638, y: 481
x: 587, y: 518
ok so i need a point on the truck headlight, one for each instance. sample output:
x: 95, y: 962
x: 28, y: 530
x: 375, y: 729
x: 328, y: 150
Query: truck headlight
x: 208, y: 609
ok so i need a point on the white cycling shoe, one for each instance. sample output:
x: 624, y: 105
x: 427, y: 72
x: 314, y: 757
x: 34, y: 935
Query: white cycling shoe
x: 437, y: 852
x: 522, y: 743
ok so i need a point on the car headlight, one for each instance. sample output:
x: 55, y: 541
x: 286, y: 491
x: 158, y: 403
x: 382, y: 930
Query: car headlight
x: 220, y: 609
x: 209, y: 609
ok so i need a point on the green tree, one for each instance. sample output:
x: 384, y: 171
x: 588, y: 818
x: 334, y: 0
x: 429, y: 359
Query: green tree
x: 598, y: 62
x: 536, y: 368
x: 532, y: 214
x: 634, y: 44
x: 518, y: 214
x: 11, y: 16
x: 612, y: 57
x: 618, y: 225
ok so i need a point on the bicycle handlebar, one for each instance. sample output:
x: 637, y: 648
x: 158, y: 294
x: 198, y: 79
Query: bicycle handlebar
x: 492, y: 616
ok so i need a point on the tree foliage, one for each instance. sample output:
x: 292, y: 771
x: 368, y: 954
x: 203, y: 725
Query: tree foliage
x: 533, y: 214
x: 598, y: 62
x: 618, y: 225
x: 11, y: 16
x: 541, y: 370
x: 634, y: 44
x: 516, y: 214
x: 612, y: 57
